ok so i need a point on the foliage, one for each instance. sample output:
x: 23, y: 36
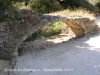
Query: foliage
x: 76, y: 4
x: 43, y: 6
x: 47, y: 31
x: 47, y: 6
x: 98, y: 5
x: 5, y: 4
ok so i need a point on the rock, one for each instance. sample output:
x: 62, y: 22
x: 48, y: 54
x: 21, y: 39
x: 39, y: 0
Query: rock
x: 75, y: 29
x: 4, y: 65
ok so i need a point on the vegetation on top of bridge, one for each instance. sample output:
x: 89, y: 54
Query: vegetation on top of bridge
x: 46, y: 6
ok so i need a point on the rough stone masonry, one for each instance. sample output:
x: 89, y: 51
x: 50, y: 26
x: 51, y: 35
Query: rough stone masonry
x: 22, y: 24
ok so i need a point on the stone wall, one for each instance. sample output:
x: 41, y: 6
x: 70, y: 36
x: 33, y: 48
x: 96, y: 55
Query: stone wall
x: 14, y: 31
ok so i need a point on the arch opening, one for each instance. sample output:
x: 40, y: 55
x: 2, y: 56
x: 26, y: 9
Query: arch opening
x: 50, y: 35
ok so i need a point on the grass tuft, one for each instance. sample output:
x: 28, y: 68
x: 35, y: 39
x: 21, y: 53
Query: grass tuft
x: 76, y: 13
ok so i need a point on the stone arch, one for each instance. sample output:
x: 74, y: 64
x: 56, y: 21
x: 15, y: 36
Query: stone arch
x: 14, y: 32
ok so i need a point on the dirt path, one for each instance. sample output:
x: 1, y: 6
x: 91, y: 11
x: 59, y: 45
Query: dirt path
x: 75, y: 57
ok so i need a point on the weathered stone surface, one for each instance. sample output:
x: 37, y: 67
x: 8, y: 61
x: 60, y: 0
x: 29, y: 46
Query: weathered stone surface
x: 76, y: 30
x: 87, y: 24
x: 14, y: 32
x: 4, y: 66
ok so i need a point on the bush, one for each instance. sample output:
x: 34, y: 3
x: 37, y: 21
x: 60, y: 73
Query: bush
x: 47, y: 31
x: 43, y: 6
x: 98, y: 5
x: 8, y: 4
x: 5, y: 4
x: 77, y: 4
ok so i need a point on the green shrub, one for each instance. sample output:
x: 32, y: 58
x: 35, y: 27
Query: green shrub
x: 8, y: 4
x: 98, y: 5
x: 5, y: 4
x: 47, y: 31
x: 43, y: 6
x: 77, y: 4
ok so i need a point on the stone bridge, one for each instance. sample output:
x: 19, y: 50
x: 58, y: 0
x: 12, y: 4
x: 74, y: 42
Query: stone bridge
x: 13, y: 32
